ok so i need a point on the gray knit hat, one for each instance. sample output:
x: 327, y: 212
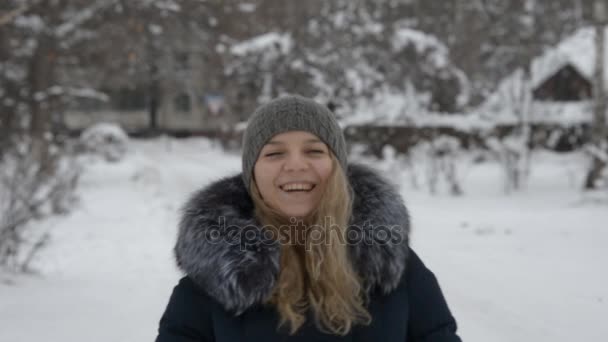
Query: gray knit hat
x: 290, y: 113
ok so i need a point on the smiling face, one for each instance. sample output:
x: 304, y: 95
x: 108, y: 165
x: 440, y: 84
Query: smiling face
x: 291, y: 172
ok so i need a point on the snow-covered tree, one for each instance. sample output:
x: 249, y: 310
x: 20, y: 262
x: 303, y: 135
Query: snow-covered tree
x: 52, y: 51
x: 345, y: 51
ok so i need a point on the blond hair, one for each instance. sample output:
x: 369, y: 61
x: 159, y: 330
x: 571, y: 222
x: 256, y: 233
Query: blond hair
x: 313, y: 275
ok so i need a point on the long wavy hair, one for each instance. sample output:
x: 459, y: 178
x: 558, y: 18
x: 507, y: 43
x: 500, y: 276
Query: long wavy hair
x: 316, y: 273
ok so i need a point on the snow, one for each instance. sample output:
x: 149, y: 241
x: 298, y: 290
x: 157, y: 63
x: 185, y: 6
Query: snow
x: 465, y: 93
x: 339, y: 20
x: 32, y: 22
x: 109, y: 269
x: 371, y: 27
x: 423, y: 42
x: 558, y: 113
x: 390, y: 108
x: 408, y: 108
x: 247, y: 7
x: 155, y: 29
x: 14, y: 72
x: 167, y: 5
x: 105, y: 139
x: 88, y: 93
x: 263, y: 42
x: 524, y: 267
x: 597, y: 152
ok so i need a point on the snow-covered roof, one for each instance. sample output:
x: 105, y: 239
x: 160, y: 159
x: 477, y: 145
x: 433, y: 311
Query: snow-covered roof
x: 577, y: 50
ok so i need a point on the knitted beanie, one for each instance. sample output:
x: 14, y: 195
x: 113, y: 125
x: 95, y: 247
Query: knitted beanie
x: 290, y: 113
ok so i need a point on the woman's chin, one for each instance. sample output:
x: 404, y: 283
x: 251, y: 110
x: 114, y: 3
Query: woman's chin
x: 298, y: 213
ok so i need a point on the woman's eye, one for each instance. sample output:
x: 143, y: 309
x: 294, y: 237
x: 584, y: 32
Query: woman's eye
x: 273, y: 154
x: 316, y: 151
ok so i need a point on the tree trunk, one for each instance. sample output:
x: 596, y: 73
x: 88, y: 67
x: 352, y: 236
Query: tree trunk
x: 599, y: 116
x: 153, y: 105
x: 41, y: 76
x: 523, y: 166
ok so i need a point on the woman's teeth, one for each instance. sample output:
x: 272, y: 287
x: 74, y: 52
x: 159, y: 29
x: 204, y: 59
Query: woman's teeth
x: 297, y: 187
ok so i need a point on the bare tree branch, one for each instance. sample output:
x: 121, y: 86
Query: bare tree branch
x: 82, y: 17
x: 6, y: 18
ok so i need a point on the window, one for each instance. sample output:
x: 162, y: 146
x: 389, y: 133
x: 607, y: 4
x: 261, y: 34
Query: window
x: 134, y: 98
x: 182, y: 103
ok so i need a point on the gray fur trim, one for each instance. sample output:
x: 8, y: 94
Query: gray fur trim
x: 241, y: 272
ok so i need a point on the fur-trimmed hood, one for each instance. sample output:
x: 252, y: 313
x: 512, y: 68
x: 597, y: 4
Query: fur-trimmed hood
x: 223, y: 248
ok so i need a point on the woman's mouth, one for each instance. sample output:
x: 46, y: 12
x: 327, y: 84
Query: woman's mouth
x: 295, y: 187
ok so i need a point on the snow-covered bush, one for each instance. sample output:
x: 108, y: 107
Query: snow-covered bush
x: 399, y: 167
x: 598, y: 154
x: 34, y: 183
x: 512, y: 153
x: 442, y: 158
x: 106, y: 140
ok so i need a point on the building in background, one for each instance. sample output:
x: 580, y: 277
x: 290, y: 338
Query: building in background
x: 185, y: 99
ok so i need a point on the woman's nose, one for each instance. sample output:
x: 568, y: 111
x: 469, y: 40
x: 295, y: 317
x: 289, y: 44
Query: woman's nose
x: 295, y: 162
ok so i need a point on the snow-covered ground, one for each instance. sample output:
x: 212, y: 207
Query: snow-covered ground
x: 525, y: 267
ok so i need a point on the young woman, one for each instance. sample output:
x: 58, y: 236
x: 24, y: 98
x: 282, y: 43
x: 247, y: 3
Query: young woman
x: 301, y: 246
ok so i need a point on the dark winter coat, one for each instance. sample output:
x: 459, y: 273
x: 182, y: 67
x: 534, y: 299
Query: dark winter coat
x: 231, y: 268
